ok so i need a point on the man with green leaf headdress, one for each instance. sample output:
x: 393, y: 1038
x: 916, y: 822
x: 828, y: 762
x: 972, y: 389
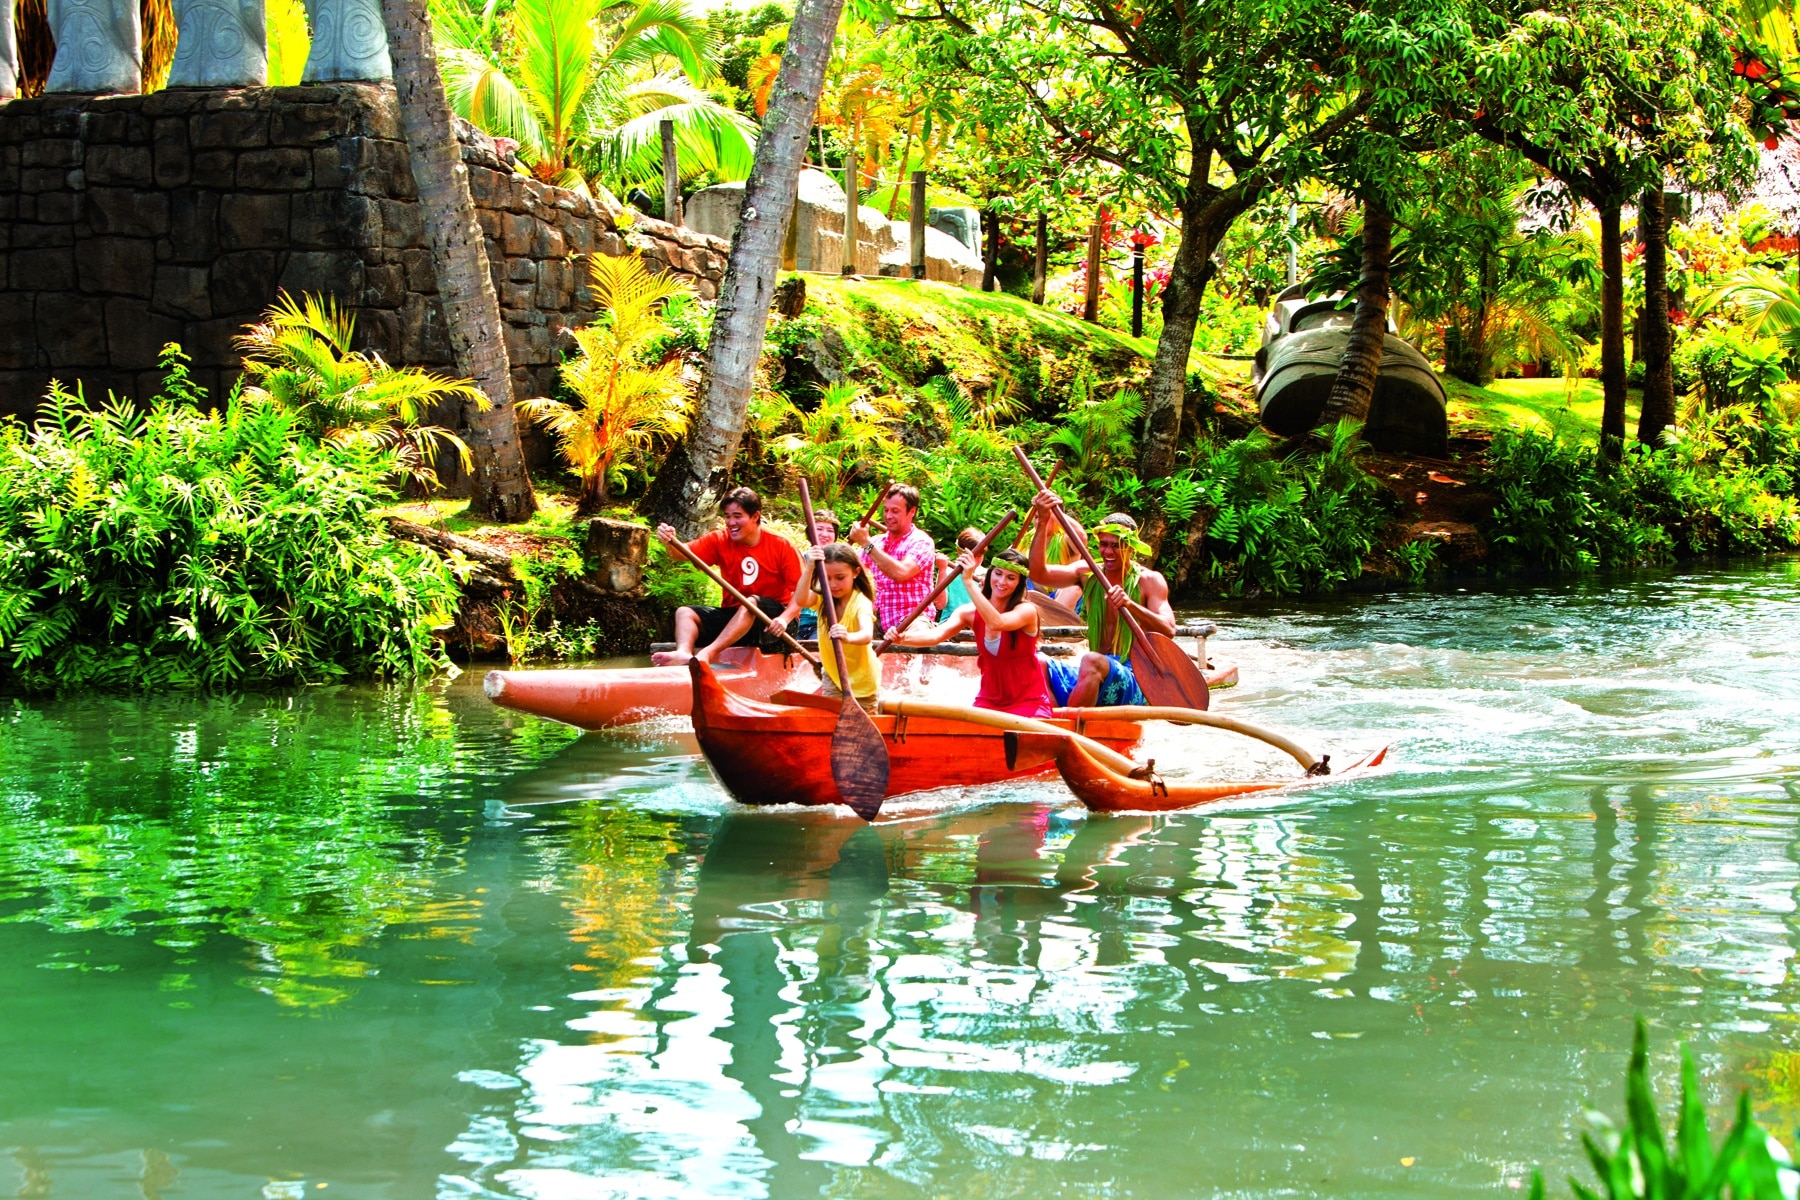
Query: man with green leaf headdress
x: 1103, y: 676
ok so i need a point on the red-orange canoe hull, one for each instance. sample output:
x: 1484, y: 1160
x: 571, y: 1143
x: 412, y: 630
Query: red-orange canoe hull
x: 603, y: 698
x: 1102, y: 789
x: 767, y: 753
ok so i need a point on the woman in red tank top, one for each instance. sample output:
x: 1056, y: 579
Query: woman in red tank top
x: 1006, y: 638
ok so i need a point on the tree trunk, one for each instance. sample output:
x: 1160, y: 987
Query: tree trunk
x: 1205, y: 219
x: 1354, y: 388
x: 501, y: 488
x: 688, y: 486
x: 1659, y: 376
x: 1612, y: 334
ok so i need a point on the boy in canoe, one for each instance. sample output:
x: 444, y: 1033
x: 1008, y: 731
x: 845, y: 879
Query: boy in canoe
x: 901, y: 561
x: 1103, y: 677
x: 854, y: 593
x: 1006, y: 637
x: 760, y: 563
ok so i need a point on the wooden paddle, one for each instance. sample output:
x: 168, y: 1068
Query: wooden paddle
x: 1055, y: 609
x: 859, y: 758
x: 681, y: 549
x: 980, y: 549
x: 1025, y: 530
x: 1165, y: 674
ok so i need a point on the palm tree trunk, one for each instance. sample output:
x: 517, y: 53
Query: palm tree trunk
x: 689, y: 484
x: 1659, y: 377
x: 1612, y: 333
x: 501, y: 487
x: 1354, y: 388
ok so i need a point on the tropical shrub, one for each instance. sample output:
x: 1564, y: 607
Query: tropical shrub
x: 300, y: 359
x: 846, y: 434
x: 1281, y: 525
x: 1559, y: 508
x: 620, y: 404
x: 170, y: 546
x: 1636, y: 1162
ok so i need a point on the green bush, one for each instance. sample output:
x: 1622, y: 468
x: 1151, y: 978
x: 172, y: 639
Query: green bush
x: 1557, y: 508
x: 173, y: 547
x: 1279, y: 525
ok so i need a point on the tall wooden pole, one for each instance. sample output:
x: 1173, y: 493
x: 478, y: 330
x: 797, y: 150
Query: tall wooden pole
x: 915, y: 224
x: 671, y: 175
x: 1040, y: 261
x: 992, y: 247
x: 1137, y: 291
x: 1090, y: 304
x: 851, y: 200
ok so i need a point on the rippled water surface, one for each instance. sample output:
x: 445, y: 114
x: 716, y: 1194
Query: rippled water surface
x: 398, y: 943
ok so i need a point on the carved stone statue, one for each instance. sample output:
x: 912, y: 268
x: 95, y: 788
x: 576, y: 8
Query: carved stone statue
x: 99, y: 45
x: 348, y: 42
x: 220, y: 43
x: 9, y: 53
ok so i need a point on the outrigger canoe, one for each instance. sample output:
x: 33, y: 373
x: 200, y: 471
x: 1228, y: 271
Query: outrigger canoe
x: 605, y: 697
x: 1103, y: 788
x: 778, y: 751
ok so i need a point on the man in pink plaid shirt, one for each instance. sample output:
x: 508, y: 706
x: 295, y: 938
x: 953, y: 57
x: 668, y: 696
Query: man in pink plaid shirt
x: 902, y: 560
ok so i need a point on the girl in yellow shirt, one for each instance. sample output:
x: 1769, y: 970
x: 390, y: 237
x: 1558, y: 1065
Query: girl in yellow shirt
x: 854, y: 593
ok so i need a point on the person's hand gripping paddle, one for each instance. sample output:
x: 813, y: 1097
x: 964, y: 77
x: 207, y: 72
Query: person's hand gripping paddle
x: 859, y: 758
x: 1165, y: 673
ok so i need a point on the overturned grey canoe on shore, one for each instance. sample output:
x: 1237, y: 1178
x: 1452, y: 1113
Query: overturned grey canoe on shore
x: 1303, y: 345
x: 1406, y: 416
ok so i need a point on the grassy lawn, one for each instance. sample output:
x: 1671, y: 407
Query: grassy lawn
x: 1531, y: 403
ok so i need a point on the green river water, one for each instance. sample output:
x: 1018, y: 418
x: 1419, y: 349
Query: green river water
x: 357, y: 942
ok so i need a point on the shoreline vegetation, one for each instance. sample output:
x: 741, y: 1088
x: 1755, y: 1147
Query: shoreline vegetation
x: 264, y: 537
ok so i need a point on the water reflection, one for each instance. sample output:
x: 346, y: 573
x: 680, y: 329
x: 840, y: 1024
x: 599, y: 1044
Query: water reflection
x: 401, y: 942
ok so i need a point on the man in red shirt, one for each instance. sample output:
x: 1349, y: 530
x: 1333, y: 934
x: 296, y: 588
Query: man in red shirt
x: 759, y: 564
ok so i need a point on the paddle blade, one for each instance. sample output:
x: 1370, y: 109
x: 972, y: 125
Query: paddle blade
x: 1167, y: 676
x: 1059, y: 613
x: 859, y: 760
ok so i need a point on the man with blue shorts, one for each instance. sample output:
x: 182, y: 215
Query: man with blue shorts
x: 1102, y: 678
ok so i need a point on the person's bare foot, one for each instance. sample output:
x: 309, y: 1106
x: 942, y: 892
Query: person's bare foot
x: 670, y: 658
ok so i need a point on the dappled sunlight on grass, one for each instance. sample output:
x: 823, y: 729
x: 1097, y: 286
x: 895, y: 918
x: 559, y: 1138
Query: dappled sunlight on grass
x: 1544, y: 404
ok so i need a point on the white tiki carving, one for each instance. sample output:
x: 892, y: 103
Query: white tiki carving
x: 220, y: 43
x: 349, y: 42
x: 99, y: 46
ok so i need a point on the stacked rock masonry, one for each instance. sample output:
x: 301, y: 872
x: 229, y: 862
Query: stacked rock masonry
x: 127, y: 222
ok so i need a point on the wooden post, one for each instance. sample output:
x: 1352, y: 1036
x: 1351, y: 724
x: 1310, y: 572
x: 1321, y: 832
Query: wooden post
x: 671, y: 175
x: 1137, y: 291
x: 1040, y: 262
x: 851, y: 199
x: 990, y: 246
x: 1090, y: 305
x: 916, y: 224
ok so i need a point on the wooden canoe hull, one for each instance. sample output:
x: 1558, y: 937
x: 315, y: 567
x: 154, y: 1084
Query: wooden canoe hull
x: 1104, y: 790
x: 601, y: 698
x: 765, y: 753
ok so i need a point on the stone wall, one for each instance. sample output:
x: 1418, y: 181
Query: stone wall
x: 127, y: 222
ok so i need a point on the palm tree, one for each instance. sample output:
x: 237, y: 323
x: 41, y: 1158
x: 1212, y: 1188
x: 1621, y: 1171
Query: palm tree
x: 1770, y: 300
x: 692, y: 477
x: 622, y: 402
x: 299, y: 358
x: 582, y: 86
x: 501, y: 488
